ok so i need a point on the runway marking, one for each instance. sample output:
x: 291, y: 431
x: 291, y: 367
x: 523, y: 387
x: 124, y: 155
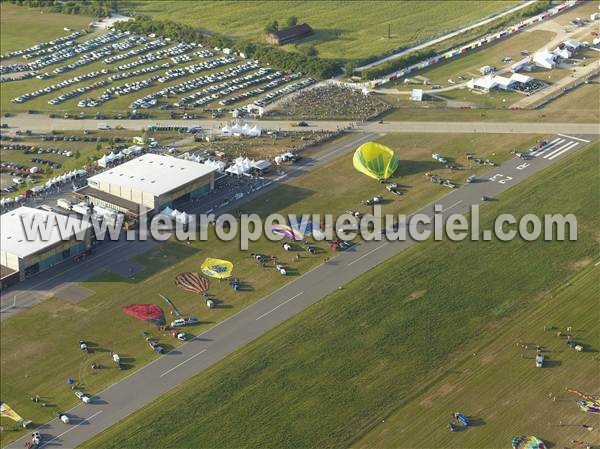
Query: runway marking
x: 560, y: 150
x: 574, y: 138
x: 551, y: 145
x: 556, y: 149
x: 185, y: 361
x: 368, y: 254
x: 563, y: 151
x: 278, y: 306
x: 72, y: 428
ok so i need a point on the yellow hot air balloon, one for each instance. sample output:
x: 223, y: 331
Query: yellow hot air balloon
x: 375, y: 160
x: 217, y: 268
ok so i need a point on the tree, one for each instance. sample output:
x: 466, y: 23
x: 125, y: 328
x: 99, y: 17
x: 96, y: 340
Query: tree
x: 310, y: 51
x: 77, y: 154
x: 292, y: 21
x: 272, y: 27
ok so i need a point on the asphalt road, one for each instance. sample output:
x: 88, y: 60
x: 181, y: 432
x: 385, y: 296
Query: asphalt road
x: 44, y: 286
x: 168, y: 371
x: 39, y: 123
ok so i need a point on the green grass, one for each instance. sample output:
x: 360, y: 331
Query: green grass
x: 497, y: 384
x: 335, y: 370
x: 581, y: 105
x: 49, y: 355
x: 23, y: 27
x: 343, y: 30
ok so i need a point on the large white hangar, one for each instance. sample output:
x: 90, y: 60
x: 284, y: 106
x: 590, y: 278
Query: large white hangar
x: 21, y: 256
x: 153, y: 181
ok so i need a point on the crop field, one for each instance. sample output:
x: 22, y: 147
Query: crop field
x: 48, y: 356
x: 340, y: 33
x: 22, y: 27
x: 350, y: 361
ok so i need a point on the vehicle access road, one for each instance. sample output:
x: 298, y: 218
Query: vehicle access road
x: 116, y: 402
x: 25, y: 294
x: 39, y: 123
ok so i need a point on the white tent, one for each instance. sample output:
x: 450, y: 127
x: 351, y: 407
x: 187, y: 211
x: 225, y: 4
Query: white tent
x: 519, y: 78
x: 102, y: 162
x: 544, y: 59
x: 502, y: 82
x: 563, y: 53
x: 226, y: 131
x: 485, y: 83
x: 219, y: 166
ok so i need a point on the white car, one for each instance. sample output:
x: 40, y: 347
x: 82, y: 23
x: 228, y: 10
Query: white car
x: 83, y: 397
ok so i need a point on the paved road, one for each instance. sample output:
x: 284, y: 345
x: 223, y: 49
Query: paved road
x: 153, y: 380
x: 44, y: 124
x: 431, y: 42
x: 44, y: 286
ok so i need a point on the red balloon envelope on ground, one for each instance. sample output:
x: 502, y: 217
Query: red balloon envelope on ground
x: 146, y: 312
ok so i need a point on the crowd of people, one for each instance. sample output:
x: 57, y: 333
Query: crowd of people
x: 332, y: 102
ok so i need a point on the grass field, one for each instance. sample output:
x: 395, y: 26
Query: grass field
x: 343, y: 30
x: 23, y: 27
x: 49, y: 355
x: 334, y: 371
x: 581, y: 105
x: 497, y: 384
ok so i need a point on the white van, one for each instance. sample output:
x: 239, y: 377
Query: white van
x: 104, y: 127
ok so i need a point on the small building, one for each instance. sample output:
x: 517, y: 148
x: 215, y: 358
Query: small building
x: 289, y: 35
x: 595, y: 16
x: 22, y: 255
x: 416, y: 95
x: 152, y: 181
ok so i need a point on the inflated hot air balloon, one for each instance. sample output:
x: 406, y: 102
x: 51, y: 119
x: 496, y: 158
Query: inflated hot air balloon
x: 217, y: 268
x: 146, y: 312
x: 375, y: 160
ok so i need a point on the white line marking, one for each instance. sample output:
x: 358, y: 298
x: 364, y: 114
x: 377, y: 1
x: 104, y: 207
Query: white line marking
x: 551, y: 145
x: 574, y: 138
x: 278, y: 306
x: 368, y: 254
x: 185, y: 361
x: 86, y: 420
x: 557, y: 149
x: 563, y: 151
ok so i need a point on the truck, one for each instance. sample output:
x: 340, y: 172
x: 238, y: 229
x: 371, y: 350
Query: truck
x: 439, y: 158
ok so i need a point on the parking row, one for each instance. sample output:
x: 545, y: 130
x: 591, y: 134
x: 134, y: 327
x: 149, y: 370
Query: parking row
x: 42, y: 46
x: 196, y: 68
x: 54, y: 87
x: 274, y: 81
x: 196, y: 83
x: 145, y: 48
